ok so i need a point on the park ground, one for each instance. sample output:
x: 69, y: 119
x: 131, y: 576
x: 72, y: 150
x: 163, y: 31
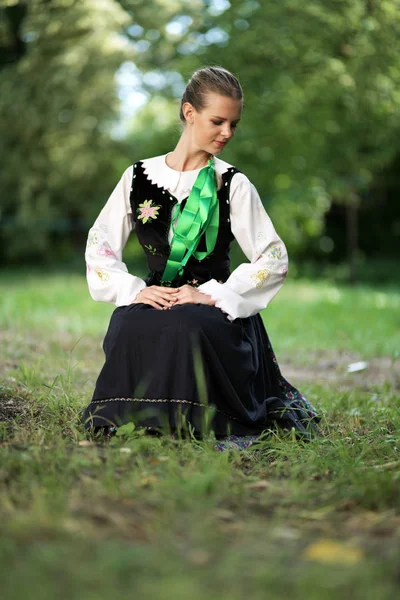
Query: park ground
x: 143, y: 517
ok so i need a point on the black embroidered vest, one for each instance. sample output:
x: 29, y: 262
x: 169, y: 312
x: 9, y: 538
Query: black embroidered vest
x: 152, y: 209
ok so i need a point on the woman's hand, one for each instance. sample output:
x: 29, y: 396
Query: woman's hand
x: 163, y: 298
x: 158, y: 297
x: 187, y: 294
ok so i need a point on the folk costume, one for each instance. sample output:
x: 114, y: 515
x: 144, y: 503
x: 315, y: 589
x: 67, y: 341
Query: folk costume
x: 210, y: 366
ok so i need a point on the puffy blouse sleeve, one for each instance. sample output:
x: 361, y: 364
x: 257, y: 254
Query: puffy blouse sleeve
x: 107, y: 276
x: 251, y: 286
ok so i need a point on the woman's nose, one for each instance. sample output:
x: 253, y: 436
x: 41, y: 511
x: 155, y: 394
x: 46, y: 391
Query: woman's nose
x: 227, y: 132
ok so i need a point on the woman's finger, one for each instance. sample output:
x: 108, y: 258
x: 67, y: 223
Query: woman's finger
x: 164, y: 302
x: 195, y: 299
x: 167, y: 290
x: 181, y: 301
x: 161, y: 294
x: 154, y: 304
x: 146, y: 299
x: 186, y: 300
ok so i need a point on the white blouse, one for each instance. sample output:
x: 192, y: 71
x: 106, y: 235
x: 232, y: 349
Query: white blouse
x: 250, y: 287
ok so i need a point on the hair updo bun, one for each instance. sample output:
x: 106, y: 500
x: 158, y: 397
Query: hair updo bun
x: 210, y: 79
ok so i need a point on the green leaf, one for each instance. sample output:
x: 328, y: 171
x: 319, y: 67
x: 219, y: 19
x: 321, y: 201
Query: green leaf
x: 126, y: 430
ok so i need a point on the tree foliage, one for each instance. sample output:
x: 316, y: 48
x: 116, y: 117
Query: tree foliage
x: 321, y: 112
x: 321, y: 82
x: 57, y: 102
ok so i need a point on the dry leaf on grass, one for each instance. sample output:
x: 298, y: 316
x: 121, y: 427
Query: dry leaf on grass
x: 147, y: 481
x: 224, y: 514
x: 262, y: 484
x: 199, y: 557
x: 332, y: 552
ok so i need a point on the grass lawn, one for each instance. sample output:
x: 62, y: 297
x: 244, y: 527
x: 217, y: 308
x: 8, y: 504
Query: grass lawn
x: 143, y: 517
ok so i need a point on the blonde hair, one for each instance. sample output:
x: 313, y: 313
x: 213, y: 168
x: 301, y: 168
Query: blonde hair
x: 210, y: 79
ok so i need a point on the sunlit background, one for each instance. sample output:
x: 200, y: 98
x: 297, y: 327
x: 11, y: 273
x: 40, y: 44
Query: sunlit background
x: 88, y: 87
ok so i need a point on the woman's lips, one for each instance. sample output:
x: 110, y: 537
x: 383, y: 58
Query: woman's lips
x: 220, y: 144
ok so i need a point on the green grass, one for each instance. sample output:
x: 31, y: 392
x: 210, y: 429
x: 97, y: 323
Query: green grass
x: 156, y: 518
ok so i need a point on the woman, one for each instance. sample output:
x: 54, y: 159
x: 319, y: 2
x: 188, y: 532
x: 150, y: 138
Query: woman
x: 187, y: 345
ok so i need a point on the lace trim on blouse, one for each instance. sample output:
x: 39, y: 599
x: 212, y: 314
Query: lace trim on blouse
x: 160, y: 174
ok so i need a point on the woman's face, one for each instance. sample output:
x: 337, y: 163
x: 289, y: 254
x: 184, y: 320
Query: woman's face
x: 213, y: 127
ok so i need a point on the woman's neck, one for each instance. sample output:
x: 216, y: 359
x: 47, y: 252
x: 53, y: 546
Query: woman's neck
x: 182, y: 158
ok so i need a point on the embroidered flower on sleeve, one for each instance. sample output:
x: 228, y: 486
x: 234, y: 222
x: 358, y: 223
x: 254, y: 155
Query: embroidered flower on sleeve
x: 148, y: 211
x: 105, y: 250
x: 260, y: 277
x: 102, y: 274
x: 92, y: 239
x: 274, y: 252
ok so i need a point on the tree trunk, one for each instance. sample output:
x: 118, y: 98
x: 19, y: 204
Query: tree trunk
x: 352, y: 240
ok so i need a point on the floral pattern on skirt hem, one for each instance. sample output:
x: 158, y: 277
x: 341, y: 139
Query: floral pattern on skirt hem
x: 231, y: 442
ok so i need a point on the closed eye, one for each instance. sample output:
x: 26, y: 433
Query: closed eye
x: 220, y: 123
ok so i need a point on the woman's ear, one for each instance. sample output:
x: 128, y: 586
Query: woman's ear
x: 188, y: 112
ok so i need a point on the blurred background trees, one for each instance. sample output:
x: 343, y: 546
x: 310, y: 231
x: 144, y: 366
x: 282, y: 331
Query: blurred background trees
x: 319, y: 133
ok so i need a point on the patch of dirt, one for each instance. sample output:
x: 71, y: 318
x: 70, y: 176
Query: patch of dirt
x: 13, y: 404
x: 326, y: 368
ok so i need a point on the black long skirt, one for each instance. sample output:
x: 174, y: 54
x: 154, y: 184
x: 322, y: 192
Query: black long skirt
x: 166, y: 369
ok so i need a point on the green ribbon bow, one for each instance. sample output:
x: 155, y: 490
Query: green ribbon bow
x: 200, y: 215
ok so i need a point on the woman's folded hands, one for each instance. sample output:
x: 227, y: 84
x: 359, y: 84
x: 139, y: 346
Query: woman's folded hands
x: 163, y: 298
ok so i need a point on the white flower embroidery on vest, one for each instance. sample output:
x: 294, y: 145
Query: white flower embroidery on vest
x: 260, y: 277
x: 148, y: 211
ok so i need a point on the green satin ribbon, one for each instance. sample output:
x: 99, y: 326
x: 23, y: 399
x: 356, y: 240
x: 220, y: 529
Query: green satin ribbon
x: 200, y: 215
